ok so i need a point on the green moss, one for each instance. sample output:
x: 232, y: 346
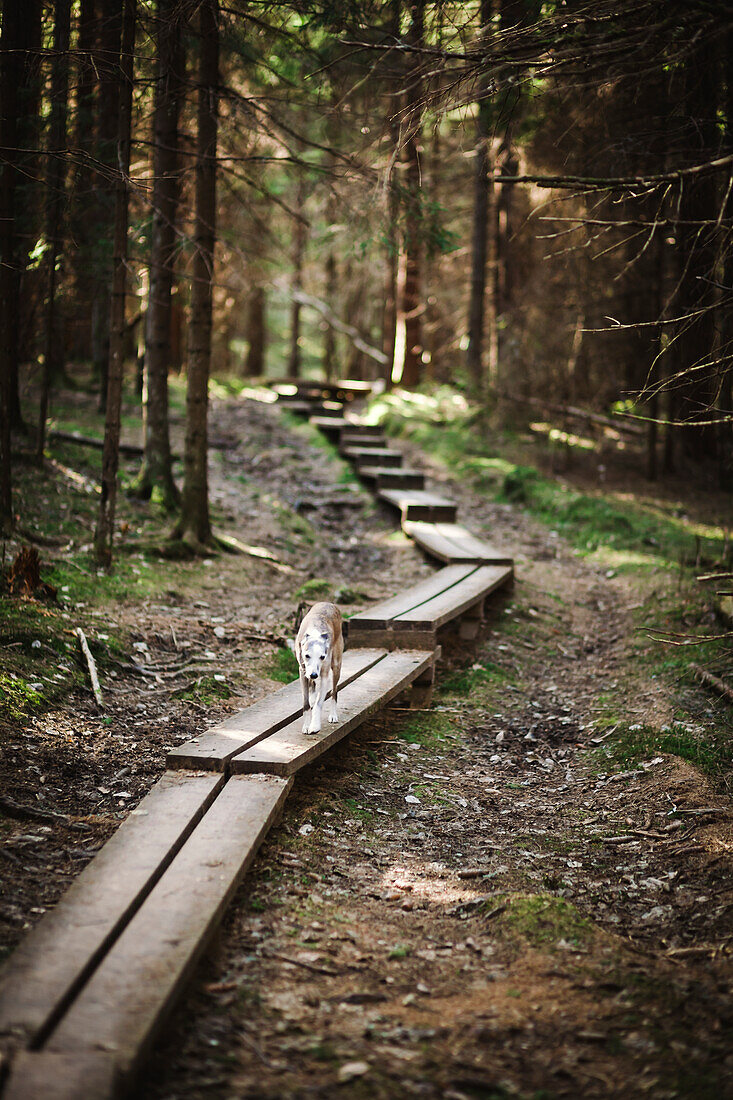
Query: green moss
x: 206, y: 690
x: 284, y: 666
x: 428, y: 728
x: 314, y: 588
x: 399, y: 951
x: 16, y: 696
x: 543, y: 919
x: 466, y: 681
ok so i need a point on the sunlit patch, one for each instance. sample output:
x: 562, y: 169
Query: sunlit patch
x: 422, y: 881
x: 555, y: 435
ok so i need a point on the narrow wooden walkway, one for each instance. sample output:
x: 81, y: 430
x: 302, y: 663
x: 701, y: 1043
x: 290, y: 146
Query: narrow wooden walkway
x: 85, y: 994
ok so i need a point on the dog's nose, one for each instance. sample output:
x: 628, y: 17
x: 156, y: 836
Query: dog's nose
x: 314, y: 675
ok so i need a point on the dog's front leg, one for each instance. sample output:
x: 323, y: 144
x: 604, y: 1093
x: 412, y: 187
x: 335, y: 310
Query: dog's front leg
x: 306, y: 686
x: 334, y: 715
x: 317, y: 703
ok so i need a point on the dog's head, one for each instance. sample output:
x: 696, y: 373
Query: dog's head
x: 313, y: 653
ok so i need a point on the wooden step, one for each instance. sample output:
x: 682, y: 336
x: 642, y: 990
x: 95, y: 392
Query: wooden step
x: 449, y: 542
x: 364, y: 429
x: 329, y: 425
x: 352, y: 439
x: 214, y: 749
x: 289, y: 750
x: 454, y: 601
x: 52, y: 962
x: 370, y: 456
x: 364, y: 626
x: 309, y: 387
x: 420, y: 505
x: 297, y: 408
x: 42, y: 1073
x: 398, y: 478
x: 127, y: 998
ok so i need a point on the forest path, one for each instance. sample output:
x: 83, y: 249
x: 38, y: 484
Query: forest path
x: 467, y: 902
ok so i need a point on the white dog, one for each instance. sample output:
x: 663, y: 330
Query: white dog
x: 319, y: 648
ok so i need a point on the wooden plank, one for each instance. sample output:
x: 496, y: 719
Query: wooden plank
x: 417, y: 504
x: 215, y: 748
x: 397, y: 478
x: 382, y: 614
x: 329, y: 425
x: 453, y: 602
x: 43, y: 1075
x: 124, y: 1003
x: 56, y: 957
x: 374, y: 456
x: 290, y: 749
x: 449, y: 542
x: 352, y: 439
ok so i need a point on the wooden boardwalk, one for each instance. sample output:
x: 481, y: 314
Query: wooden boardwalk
x: 85, y: 994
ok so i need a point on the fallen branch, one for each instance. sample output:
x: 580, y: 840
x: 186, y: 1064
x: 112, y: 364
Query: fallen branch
x: 713, y: 682
x: 28, y: 813
x: 91, y: 665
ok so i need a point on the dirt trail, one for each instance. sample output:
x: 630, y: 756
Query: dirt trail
x: 467, y: 902
x: 464, y: 902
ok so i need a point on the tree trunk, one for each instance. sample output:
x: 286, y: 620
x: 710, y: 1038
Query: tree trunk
x: 195, y: 524
x: 391, y: 250
x: 105, y: 195
x: 19, y: 92
x: 299, y: 242
x: 156, y: 475
x: 81, y: 228
x: 725, y: 429
x: 482, y: 184
x: 409, y: 310
x: 254, y: 366
x: 10, y: 79
x: 104, y: 533
x: 695, y: 343
x: 56, y: 180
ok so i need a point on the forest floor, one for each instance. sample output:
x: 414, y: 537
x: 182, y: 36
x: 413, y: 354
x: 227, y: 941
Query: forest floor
x: 514, y: 893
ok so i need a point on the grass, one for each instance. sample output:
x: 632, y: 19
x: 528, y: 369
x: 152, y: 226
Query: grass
x: 283, y: 667
x: 314, y: 589
x: 465, y: 682
x: 635, y: 743
x: 428, y: 728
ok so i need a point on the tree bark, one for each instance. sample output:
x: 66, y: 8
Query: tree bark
x: 81, y: 228
x: 195, y: 524
x: 391, y: 250
x: 410, y: 306
x: 102, y: 213
x: 254, y: 366
x: 694, y: 346
x: 299, y: 243
x: 104, y: 533
x: 156, y: 475
x: 56, y: 181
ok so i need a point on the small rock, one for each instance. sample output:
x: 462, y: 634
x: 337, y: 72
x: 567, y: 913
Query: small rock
x: 304, y: 830
x: 349, y: 1070
x: 220, y: 632
x: 412, y: 800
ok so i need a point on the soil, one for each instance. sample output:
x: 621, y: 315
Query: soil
x: 470, y: 901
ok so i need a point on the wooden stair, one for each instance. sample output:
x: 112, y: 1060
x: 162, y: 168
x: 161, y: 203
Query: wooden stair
x: 449, y: 542
x: 417, y: 504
